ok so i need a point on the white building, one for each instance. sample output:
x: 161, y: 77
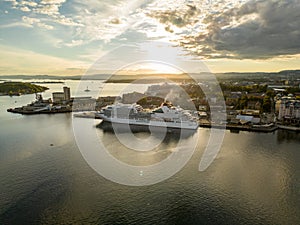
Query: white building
x: 288, y: 108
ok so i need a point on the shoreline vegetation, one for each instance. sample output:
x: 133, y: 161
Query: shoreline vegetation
x: 20, y: 88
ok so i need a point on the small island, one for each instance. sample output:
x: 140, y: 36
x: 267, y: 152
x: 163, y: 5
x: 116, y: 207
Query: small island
x: 48, y: 82
x: 20, y: 88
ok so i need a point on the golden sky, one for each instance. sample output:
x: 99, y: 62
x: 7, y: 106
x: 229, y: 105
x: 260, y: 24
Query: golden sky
x: 70, y: 37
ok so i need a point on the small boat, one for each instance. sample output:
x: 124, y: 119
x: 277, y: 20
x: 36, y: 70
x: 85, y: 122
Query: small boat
x: 87, y: 89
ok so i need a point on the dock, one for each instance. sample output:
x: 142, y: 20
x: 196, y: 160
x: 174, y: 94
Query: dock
x: 233, y: 127
x: 291, y: 128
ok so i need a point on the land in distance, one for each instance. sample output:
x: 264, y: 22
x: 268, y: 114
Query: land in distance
x: 20, y: 88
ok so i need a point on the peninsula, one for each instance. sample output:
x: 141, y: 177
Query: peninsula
x: 20, y: 88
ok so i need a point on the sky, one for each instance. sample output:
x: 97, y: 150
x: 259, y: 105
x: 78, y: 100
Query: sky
x: 71, y: 37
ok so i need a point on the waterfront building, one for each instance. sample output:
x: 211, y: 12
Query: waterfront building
x: 243, y: 119
x: 67, y: 93
x: 83, y: 104
x: 60, y: 97
x: 288, y: 108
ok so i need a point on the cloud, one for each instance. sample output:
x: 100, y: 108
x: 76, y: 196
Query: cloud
x: 25, y: 9
x: 46, y: 7
x: 49, y: 9
x: 32, y: 21
x: 45, y: 26
x: 178, y: 17
x: 58, y: 2
x: 74, y: 43
x: 61, y: 19
x: 115, y: 21
x: 87, y: 21
x: 28, y: 3
x: 101, y: 21
x: 257, y: 30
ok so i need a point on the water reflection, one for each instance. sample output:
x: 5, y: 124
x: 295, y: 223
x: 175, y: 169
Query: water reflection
x: 173, y: 133
x: 287, y: 136
x: 254, y: 179
x: 169, y: 142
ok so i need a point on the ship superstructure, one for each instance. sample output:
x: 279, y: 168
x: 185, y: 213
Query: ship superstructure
x: 166, y: 115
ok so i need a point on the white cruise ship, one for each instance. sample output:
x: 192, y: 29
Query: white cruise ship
x: 165, y: 116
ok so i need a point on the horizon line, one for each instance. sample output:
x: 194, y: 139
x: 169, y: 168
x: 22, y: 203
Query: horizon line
x: 121, y: 74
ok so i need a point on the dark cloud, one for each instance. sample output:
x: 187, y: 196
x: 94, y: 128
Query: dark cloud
x: 115, y: 21
x: 179, y: 18
x: 262, y: 29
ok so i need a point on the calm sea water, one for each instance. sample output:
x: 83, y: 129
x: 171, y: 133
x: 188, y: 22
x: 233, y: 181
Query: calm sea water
x: 255, y: 179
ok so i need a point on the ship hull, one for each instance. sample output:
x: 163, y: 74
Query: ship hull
x: 151, y: 123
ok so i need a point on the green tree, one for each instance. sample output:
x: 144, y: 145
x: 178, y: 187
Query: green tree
x: 242, y: 102
x: 266, y: 106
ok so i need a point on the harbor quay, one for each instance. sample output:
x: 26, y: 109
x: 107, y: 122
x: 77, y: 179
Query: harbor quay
x: 62, y: 102
x: 252, y: 111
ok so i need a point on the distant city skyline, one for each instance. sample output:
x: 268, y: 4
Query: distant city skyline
x: 67, y: 37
